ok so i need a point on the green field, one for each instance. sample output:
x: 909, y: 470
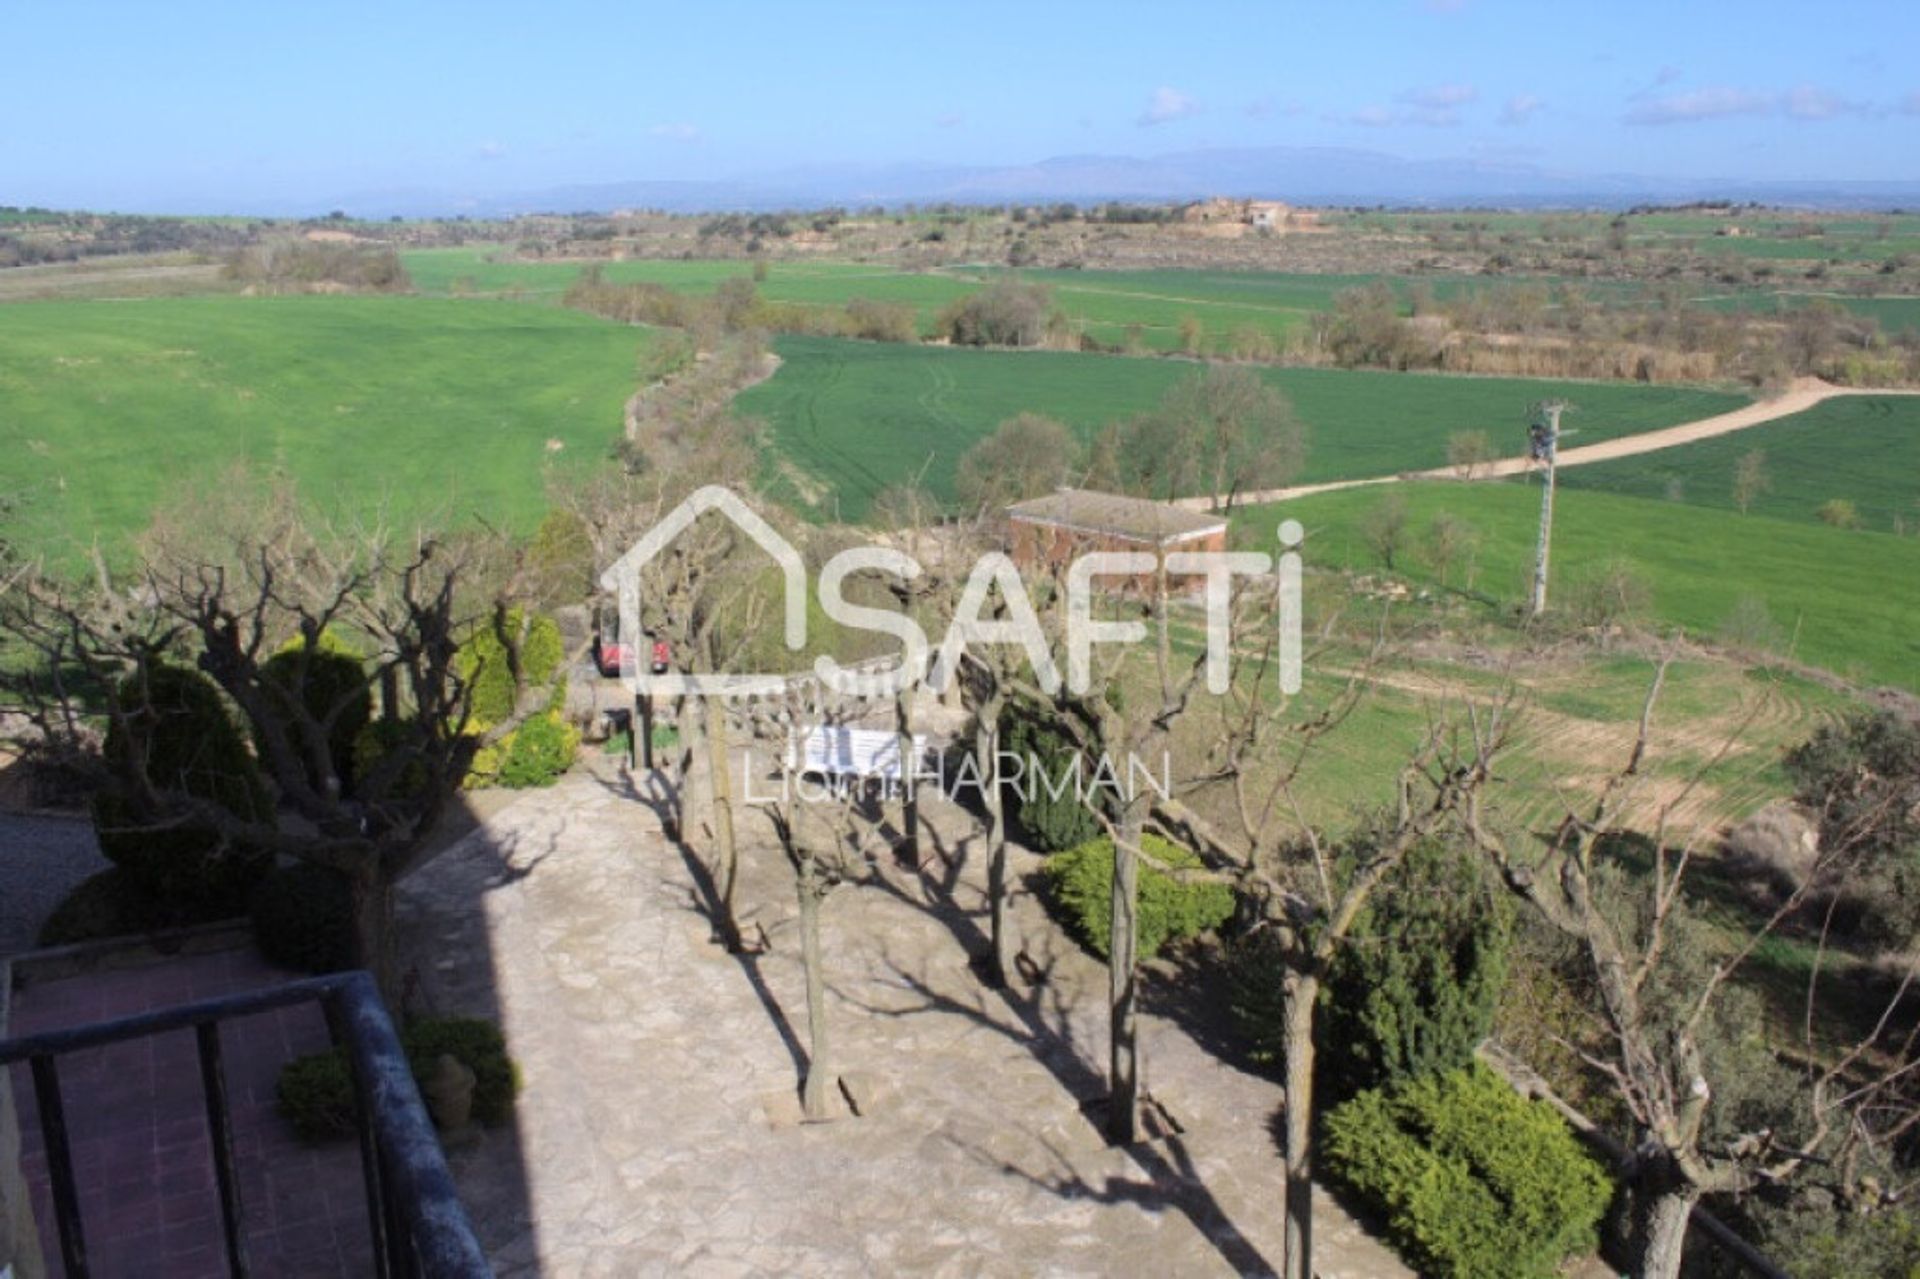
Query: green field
x: 1843, y: 599
x: 856, y: 417
x: 1893, y: 314
x: 1105, y: 305
x: 432, y: 407
x: 1120, y: 309
x: 1865, y: 449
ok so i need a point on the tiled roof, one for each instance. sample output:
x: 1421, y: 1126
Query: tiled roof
x: 1133, y: 518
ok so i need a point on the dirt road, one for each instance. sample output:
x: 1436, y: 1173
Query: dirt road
x: 1803, y: 394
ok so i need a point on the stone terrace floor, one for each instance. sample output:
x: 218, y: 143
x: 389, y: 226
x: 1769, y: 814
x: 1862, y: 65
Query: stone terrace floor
x: 137, y: 1122
x: 658, y: 1130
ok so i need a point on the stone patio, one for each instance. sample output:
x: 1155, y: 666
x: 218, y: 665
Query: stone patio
x: 657, y: 1132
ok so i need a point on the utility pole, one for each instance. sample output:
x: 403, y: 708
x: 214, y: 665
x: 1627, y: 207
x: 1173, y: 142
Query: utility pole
x: 1544, y: 433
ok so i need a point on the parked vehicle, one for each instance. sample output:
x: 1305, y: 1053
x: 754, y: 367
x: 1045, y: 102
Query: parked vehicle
x: 609, y: 652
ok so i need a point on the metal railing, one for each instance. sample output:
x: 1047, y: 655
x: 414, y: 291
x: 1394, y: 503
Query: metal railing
x: 419, y: 1228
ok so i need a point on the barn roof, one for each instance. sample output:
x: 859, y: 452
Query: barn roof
x: 1133, y: 519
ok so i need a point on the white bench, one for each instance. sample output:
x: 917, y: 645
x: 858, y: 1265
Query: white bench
x: 838, y: 751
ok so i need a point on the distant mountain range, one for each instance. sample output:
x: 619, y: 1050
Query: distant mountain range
x: 1300, y: 175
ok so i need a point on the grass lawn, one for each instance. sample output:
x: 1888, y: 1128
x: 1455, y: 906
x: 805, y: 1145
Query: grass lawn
x: 1865, y: 449
x: 433, y: 407
x: 1844, y: 600
x: 856, y: 417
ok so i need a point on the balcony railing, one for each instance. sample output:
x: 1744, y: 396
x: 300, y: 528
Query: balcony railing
x: 419, y: 1228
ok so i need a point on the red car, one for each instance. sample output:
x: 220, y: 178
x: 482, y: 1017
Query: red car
x: 609, y: 657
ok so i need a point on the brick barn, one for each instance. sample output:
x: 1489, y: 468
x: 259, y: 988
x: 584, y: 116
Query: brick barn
x: 1068, y: 522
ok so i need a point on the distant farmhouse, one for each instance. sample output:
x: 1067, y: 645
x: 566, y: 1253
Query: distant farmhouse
x: 1221, y: 215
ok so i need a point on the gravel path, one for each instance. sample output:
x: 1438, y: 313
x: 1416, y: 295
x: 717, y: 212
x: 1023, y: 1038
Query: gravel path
x: 1802, y: 395
x: 41, y: 859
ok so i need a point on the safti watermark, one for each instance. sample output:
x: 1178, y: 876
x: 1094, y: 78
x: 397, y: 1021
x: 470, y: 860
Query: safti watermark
x: 920, y: 661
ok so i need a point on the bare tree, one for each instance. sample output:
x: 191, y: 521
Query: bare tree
x: 1385, y: 527
x: 1125, y: 729
x: 1449, y: 540
x: 1026, y: 456
x: 1222, y: 432
x: 1307, y: 890
x: 225, y: 605
x: 704, y: 595
x: 1468, y: 452
x: 827, y: 843
x: 1653, y: 1052
x: 1750, y: 478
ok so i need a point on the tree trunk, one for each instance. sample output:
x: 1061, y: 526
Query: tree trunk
x: 909, y: 765
x: 690, y: 780
x: 726, y: 861
x: 1297, y: 1001
x: 372, y: 898
x: 819, y: 1082
x: 1663, y: 1231
x: 1000, y: 965
x: 1123, y: 940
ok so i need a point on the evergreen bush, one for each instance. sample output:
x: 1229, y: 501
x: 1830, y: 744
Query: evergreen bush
x: 483, y: 664
x: 303, y: 918
x: 1473, y: 1180
x: 538, y: 752
x: 329, y: 680
x: 316, y: 1092
x: 1080, y: 883
x: 189, y: 743
x: 1047, y: 805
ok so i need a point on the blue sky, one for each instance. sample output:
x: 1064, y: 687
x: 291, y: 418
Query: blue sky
x: 269, y: 106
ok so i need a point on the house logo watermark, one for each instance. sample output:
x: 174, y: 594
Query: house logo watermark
x: 1016, y: 623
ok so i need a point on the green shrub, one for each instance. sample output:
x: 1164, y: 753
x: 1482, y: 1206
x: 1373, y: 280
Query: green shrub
x: 1415, y: 987
x: 538, y: 751
x: 479, y: 1046
x: 329, y: 680
x: 189, y: 743
x: 483, y: 770
x: 316, y: 1095
x: 316, y: 1092
x: 373, y: 745
x: 483, y: 664
x: 1080, y: 881
x: 114, y: 903
x: 1048, y: 821
x: 303, y: 918
x: 1473, y: 1180
x: 1413, y: 990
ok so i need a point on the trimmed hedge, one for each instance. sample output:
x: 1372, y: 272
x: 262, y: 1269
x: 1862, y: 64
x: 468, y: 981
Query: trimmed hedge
x: 113, y: 903
x: 538, y: 752
x: 534, y: 754
x: 1473, y: 1180
x: 482, y: 663
x: 327, y: 678
x: 1080, y: 883
x: 190, y: 743
x: 315, y: 1093
x: 303, y: 918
